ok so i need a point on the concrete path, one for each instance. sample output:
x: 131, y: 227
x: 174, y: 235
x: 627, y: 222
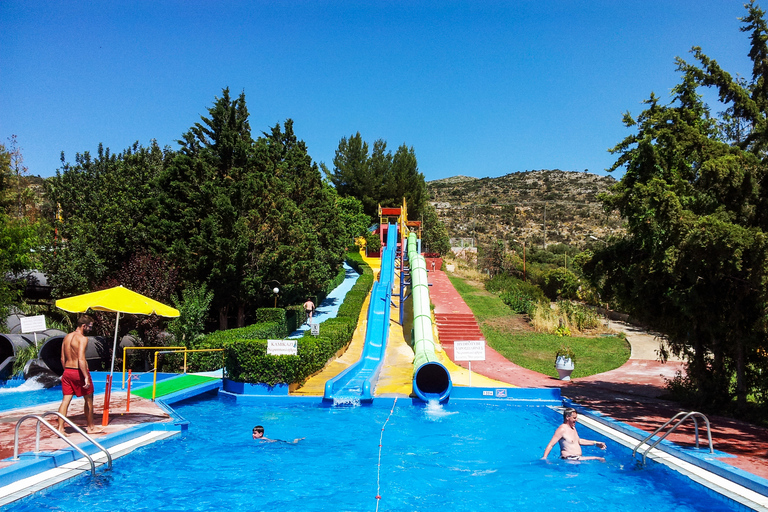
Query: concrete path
x: 329, y: 307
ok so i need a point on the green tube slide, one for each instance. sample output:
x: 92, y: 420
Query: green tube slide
x: 431, y: 380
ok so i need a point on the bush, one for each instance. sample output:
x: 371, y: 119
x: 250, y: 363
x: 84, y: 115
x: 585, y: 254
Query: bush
x: 520, y: 296
x: 518, y: 302
x: 270, y: 315
x: 561, y: 283
x: 24, y: 356
x: 208, y: 361
x: 578, y: 315
x: 245, y: 355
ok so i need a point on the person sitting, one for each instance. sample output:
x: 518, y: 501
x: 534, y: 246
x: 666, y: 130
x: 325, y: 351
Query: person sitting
x: 570, y: 443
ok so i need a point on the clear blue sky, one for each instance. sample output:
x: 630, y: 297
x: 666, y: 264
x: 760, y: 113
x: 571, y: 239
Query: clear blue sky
x: 479, y: 88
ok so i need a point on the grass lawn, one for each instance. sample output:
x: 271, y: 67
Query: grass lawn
x: 533, y: 350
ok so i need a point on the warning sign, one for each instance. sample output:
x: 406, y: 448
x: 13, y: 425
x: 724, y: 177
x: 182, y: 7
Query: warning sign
x: 469, y: 350
x: 282, y: 347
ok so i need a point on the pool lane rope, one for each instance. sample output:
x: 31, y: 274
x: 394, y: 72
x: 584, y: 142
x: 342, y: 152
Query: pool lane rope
x: 378, y: 470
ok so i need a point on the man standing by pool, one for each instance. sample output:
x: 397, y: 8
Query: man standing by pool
x: 76, y: 379
x: 570, y: 443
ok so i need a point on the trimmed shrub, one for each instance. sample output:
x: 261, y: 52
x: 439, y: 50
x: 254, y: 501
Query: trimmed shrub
x: 246, y: 358
x: 270, y: 315
x: 208, y: 361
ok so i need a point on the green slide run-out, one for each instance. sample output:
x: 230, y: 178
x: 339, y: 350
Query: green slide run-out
x: 172, y: 385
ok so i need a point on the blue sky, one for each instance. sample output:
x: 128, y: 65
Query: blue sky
x: 479, y: 88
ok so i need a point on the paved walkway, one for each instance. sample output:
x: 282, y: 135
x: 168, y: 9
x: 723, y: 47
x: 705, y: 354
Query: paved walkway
x: 141, y: 411
x: 631, y: 394
x: 329, y: 307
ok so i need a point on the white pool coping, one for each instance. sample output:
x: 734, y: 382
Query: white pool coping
x: 717, y: 483
x: 30, y: 485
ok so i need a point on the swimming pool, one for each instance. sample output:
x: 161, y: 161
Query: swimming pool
x: 17, y: 393
x: 457, y: 457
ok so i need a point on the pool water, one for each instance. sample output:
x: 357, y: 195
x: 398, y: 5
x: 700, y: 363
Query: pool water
x: 464, y: 456
x: 20, y: 393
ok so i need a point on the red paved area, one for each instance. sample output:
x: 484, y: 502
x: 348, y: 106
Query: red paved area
x: 142, y: 411
x: 629, y: 394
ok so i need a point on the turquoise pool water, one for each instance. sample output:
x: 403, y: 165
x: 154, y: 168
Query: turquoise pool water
x: 17, y: 393
x: 464, y: 456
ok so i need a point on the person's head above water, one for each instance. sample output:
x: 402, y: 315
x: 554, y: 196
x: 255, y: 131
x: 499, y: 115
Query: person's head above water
x: 258, y: 432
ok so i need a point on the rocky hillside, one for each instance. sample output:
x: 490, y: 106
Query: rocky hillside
x: 540, y: 207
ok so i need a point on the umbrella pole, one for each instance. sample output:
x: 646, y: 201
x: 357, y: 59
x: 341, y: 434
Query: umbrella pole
x: 108, y: 390
x: 114, y: 345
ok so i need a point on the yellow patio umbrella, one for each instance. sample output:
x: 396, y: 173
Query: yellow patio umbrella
x: 116, y: 300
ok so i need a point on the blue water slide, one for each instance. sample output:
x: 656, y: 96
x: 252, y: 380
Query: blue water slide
x: 359, y: 380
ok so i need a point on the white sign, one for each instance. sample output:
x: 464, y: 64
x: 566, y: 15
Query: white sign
x: 471, y: 350
x: 32, y: 323
x: 314, y: 329
x: 282, y: 347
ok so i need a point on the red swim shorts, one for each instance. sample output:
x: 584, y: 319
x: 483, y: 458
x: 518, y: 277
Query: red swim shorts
x: 72, y: 383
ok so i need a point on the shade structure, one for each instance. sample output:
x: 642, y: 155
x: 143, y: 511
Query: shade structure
x: 117, y: 300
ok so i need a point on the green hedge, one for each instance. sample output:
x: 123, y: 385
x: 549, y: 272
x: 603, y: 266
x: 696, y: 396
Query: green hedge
x: 208, y: 361
x: 270, y: 315
x: 246, y: 358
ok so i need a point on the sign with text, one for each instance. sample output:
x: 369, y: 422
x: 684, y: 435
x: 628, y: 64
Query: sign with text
x: 32, y: 323
x: 314, y: 329
x: 469, y: 350
x: 282, y: 347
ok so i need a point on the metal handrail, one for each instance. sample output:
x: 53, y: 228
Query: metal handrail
x: 185, y: 351
x: 41, y: 419
x: 686, y: 415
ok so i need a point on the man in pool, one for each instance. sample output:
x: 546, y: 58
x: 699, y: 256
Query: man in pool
x: 258, y: 434
x: 570, y: 443
x: 76, y: 380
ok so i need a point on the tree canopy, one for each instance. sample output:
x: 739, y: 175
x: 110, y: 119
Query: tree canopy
x: 378, y: 177
x: 228, y: 213
x: 694, y: 262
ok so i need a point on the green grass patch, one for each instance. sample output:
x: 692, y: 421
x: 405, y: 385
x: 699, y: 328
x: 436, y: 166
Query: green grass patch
x: 484, y: 304
x: 536, y: 351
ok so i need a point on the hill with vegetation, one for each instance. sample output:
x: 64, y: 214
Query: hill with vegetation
x: 540, y: 207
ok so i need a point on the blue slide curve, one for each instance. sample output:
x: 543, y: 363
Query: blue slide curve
x: 357, y: 381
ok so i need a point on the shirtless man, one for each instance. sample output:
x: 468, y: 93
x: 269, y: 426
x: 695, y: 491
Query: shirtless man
x: 570, y: 444
x: 309, y: 308
x: 76, y: 379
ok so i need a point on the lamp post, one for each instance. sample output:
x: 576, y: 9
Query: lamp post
x: 275, y: 290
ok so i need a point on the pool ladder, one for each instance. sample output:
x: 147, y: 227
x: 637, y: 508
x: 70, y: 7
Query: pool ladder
x: 685, y: 416
x: 40, y: 419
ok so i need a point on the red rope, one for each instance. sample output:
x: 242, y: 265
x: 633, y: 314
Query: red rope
x: 378, y: 470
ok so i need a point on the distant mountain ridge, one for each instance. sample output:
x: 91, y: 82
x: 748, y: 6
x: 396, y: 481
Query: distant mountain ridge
x: 540, y: 207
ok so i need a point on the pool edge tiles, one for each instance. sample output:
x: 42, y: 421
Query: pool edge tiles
x: 728, y: 482
x: 36, y: 474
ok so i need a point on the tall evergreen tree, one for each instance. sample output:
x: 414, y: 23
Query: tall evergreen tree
x: 99, y: 208
x: 694, y: 263
x: 207, y: 192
